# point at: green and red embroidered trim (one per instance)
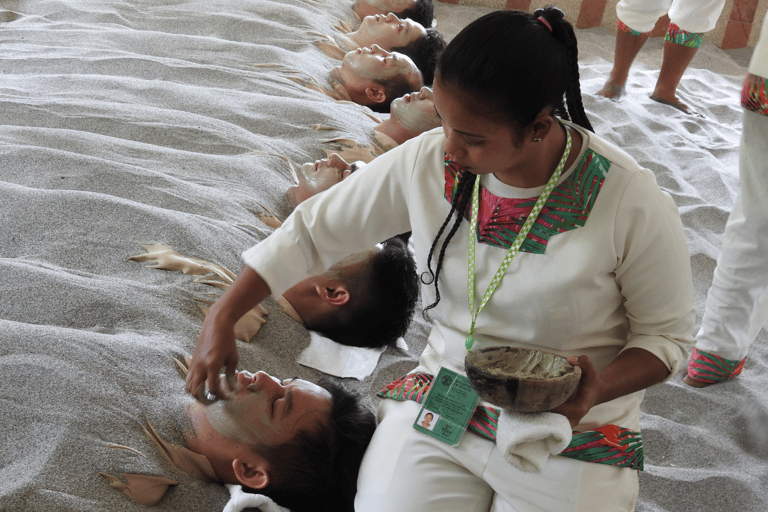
(413, 386)
(753, 95)
(611, 444)
(625, 28)
(568, 207)
(710, 368)
(679, 36)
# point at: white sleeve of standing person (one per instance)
(759, 63)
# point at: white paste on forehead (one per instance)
(413, 116)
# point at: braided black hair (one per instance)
(515, 65)
(511, 62)
(563, 31)
(466, 182)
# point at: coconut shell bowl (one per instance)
(521, 379)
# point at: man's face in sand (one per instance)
(263, 410)
(389, 31)
(368, 7)
(361, 70)
(317, 177)
(318, 296)
(416, 111)
(375, 63)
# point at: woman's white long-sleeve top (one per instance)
(620, 280)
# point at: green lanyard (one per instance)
(513, 250)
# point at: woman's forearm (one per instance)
(216, 347)
(633, 370)
(245, 293)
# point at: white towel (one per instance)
(526, 440)
(341, 360)
(239, 500)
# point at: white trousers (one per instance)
(406, 471)
(737, 303)
(695, 16)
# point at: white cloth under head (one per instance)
(340, 360)
(240, 500)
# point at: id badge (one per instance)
(448, 407)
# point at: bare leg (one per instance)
(676, 59)
(627, 47)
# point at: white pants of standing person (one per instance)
(692, 16)
(406, 471)
(737, 303)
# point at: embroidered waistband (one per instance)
(611, 444)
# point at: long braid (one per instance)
(573, 87)
(563, 32)
(463, 195)
(561, 111)
(431, 278)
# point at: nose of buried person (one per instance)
(244, 378)
(376, 49)
(264, 382)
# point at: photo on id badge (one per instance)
(428, 420)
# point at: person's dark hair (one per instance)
(383, 293)
(317, 470)
(422, 12)
(424, 52)
(513, 64)
(394, 87)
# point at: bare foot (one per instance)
(611, 90)
(695, 383)
(676, 103)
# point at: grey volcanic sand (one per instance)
(132, 122)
